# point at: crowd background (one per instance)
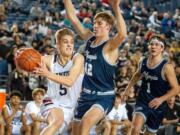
(32, 23)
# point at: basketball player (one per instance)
(64, 72)
(101, 54)
(13, 115)
(159, 83)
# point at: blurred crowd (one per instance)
(32, 23)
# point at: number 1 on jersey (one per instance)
(148, 88)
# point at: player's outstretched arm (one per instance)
(170, 76)
(117, 40)
(71, 13)
(136, 77)
(76, 70)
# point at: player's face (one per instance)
(100, 27)
(38, 97)
(66, 45)
(15, 100)
(117, 101)
(156, 47)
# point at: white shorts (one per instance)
(68, 115)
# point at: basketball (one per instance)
(28, 59)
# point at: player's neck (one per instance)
(100, 39)
(153, 61)
(37, 103)
(63, 59)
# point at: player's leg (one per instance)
(148, 133)
(55, 120)
(75, 127)
(137, 123)
(26, 129)
(8, 129)
(36, 128)
(2, 127)
(107, 128)
(92, 117)
(153, 121)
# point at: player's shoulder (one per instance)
(77, 55)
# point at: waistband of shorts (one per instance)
(93, 92)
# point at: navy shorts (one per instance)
(86, 101)
(152, 117)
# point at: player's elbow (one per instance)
(177, 90)
(123, 36)
(69, 83)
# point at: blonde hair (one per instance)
(106, 17)
(62, 32)
(36, 90)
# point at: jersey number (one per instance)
(88, 69)
(63, 90)
(148, 87)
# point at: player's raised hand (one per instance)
(42, 70)
(114, 3)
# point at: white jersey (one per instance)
(60, 94)
(16, 122)
(31, 108)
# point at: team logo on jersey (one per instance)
(66, 73)
(149, 77)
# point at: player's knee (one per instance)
(36, 125)
(9, 127)
(58, 123)
(107, 125)
(28, 129)
(135, 131)
(85, 122)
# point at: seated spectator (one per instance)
(13, 115)
(171, 119)
(116, 121)
(32, 110)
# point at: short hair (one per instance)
(62, 32)
(36, 90)
(106, 17)
(16, 93)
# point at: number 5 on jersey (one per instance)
(63, 90)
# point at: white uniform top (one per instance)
(30, 108)
(16, 122)
(60, 94)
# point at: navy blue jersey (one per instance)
(153, 83)
(99, 74)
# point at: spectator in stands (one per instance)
(2, 13)
(154, 20)
(116, 121)
(13, 115)
(3, 66)
(32, 110)
(18, 81)
(167, 24)
(36, 11)
(171, 118)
